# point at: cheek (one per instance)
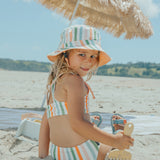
(74, 61)
(94, 62)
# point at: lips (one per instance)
(85, 69)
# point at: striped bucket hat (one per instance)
(80, 37)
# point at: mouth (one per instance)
(85, 69)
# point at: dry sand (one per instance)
(124, 95)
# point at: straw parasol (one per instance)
(114, 16)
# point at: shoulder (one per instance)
(73, 83)
(72, 80)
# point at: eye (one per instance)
(81, 54)
(94, 56)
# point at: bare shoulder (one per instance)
(73, 83)
(70, 80)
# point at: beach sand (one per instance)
(127, 96)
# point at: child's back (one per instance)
(61, 132)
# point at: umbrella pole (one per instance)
(75, 9)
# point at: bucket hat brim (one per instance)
(103, 56)
(80, 37)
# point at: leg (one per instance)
(103, 150)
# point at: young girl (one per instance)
(66, 122)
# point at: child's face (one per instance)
(82, 61)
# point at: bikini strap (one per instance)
(90, 90)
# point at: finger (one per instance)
(131, 139)
(131, 143)
(121, 132)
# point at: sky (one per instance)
(29, 31)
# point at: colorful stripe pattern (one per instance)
(60, 108)
(80, 37)
(86, 151)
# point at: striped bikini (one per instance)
(60, 108)
(85, 151)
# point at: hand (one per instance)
(122, 141)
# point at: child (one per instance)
(66, 121)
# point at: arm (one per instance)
(75, 100)
(44, 137)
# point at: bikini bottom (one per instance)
(85, 151)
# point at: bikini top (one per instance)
(57, 108)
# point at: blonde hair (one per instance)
(60, 67)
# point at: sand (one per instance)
(127, 96)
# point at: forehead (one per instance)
(88, 51)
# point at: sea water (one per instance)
(143, 124)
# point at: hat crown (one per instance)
(80, 33)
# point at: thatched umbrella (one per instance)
(114, 16)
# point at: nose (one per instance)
(88, 61)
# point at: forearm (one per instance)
(90, 131)
(43, 147)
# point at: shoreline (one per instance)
(149, 78)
